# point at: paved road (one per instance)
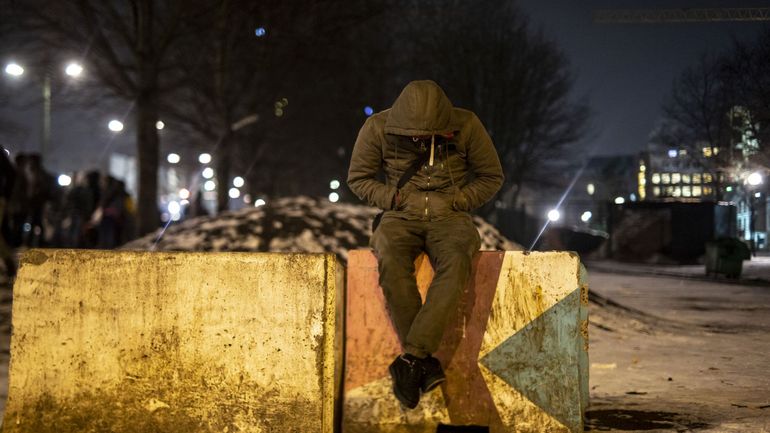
(672, 354)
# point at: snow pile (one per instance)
(292, 224)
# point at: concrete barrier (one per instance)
(174, 342)
(515, 353)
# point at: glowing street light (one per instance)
(260, 31)
(173, 158)
(553, 215)
(73, 69)
(234, 192)
(115, 125)
(209, 185)
(619, 200)
(586, 216)
(259, 202)
(208, 172)
(65, 180)
(334, 197)
(238, 182)
(184, 193)
(174, 207)
(159, 125)
(14, 69)
(204, 158)
(334, 184)
(754, 179)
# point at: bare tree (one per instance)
(719, 111)
(514, 78)
(699, 118)
(260, 70)
(747, 75)
(126, 45)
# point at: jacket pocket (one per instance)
(460, 201)
(440, 204)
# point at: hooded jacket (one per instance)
(462, 170)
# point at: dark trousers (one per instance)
(450, 245)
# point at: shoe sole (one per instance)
(431, 386)
(400, 397)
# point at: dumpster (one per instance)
(726, 256)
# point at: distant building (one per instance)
(703, 173)
(671, 174)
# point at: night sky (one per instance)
(626, 70)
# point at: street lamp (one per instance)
(554, 215)
(73, 69)
(754, 179)
(14, 69)
(115, 125)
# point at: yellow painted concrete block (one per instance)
(175, 342)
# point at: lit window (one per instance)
(686, 191)
(669, 191)
(656, 178)
(707, 190)
(672, 153)
(676, 178)
(696, 178)
(642, 167)
(590, 189)
(716, 151)
(707, 178)
(656, 191)
(682, 152)
(665, 178)
(685, 178)
(696, 191)
(707, 152)
(677, 191)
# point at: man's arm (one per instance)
(364, 164)
(485, 165)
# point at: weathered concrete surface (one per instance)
(515, 353)
(174, 342)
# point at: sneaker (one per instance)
(407, 373)
(433, 375)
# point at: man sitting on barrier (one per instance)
(439, 164)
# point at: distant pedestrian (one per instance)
(78, 207)
(112, 213)
(7, 179)
(18, 204)
(41, 189)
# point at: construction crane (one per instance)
(659, 16)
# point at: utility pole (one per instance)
(45, 141)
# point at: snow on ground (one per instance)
(292, 224)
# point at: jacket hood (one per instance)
(422, 108)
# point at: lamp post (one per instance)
(73, 69)
(752, 182)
